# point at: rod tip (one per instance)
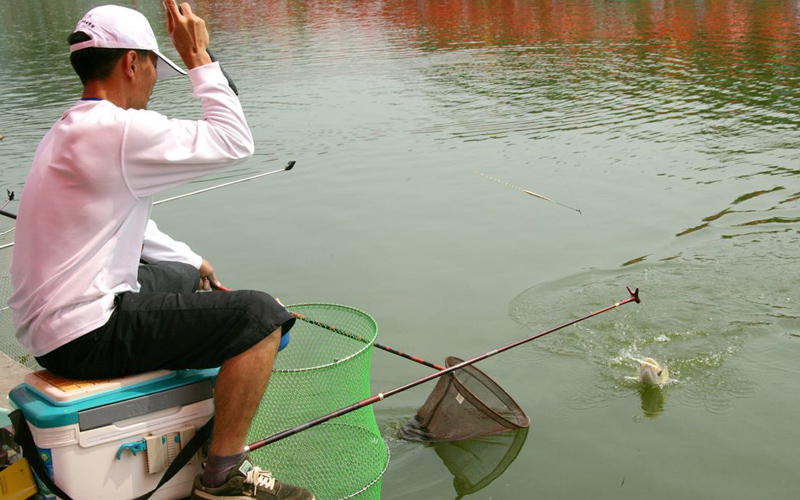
(634, 294)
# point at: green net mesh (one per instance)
(319, 372)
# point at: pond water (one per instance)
(671, 125)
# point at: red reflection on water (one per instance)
(449, 23)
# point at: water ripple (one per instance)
(696, 317)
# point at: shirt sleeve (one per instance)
(159, 153)
(159, 247)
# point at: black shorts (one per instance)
(169, 326)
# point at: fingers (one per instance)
(171, 12)
(172, 7)
(180, 13)
(212, 280)
(186, 9)
(209, 283)
(208, 277)
(188, 32)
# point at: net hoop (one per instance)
(522, 420)
(368, 342)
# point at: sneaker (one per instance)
(247, 481)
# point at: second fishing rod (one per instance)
(351, 335)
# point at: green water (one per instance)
(672, 125)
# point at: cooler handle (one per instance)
(135, 447)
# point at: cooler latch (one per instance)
(163, 448)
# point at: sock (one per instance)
(218, 469)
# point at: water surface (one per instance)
(672, 125)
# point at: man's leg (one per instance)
(242, 379)
(240, 384)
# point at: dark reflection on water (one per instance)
(653, 399)
(475, 463)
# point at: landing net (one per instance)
(464, 404)
(321, 371)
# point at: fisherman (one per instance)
(82, 304)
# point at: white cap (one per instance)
(115, 27)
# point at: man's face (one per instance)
(145, 81)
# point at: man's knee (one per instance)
(259, 305)
(264, 309)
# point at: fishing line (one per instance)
(537, 195)
(634, 297)
(527, 191)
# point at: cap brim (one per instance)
(166, 68)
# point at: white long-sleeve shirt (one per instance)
(85, 213)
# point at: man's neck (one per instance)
(106, 91)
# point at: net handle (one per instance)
(634, 297)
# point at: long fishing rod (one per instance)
(288, 167)
(526, 191)
(10, 215)
(351, 335)
(634, 297)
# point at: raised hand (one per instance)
(188, 33)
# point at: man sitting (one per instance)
(81, 302)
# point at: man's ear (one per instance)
(129, 63)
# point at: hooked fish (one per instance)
(651, 373)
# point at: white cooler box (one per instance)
(113, 439)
